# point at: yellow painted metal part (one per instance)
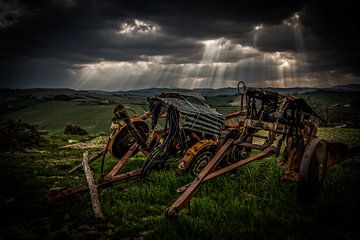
(191, 153)
(117, 128)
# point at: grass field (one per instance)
(251, 204)
(54, 115)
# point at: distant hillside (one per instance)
(348, 87)
(139, 96)
(92, 110)
(63, 94)
(209, 91)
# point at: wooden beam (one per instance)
(123, 160)
(194, 186)
(92, 187)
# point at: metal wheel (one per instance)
(312, 170)
(236, 153)
(123, 140)
(197, 156)
(201, 159)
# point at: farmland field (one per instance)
(53, 115)
(251, 204)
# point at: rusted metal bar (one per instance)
(236, 114)
(268, 126)
(192, 189)
(92, 187)
(103, 156)
(148, 115)
(338, 152)
(252, 146)
(93, 158)
(123, 160)
(229, 168)
(307, 156)
(267, 152)
(67, 193)
(144, 152)
(121, 114)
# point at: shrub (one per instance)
(74, 129)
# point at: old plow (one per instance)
(208, 144)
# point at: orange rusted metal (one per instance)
(192, 152)
(68, 193)
(123, 160)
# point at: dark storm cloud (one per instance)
(10, 12)
(44, 41)
(337, 26)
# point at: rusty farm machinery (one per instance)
(208, 144)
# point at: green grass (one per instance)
(251, 204)
(220, 100)
(53, 115)
(346, 135)
(327, 98)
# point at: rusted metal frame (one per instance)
(92, 187)
(251, 145)
(307, 155)
(280, 139)
(203, 117)
(148, 115)
(110, 179)
(265, 153)
(259, 136)
(123, 160)
(236, 114)
(134, 132)
(191, 153)
(143, 151)
(75, 191)
(338, 152)
(292, 153)
(126, 157)
(207, 124)
(311, 131)
(267, 126)
(192, 189)
(122, 115)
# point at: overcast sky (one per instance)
(121, 45)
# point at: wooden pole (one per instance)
(123, 160)
(92, 187)
(93, 158)
(194, 186)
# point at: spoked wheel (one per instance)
(312, 170)
(236, 153)
(123, 140)
(197, 156)
(201, 159)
